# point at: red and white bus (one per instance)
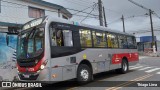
(53, 49)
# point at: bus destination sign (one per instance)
(32, 23)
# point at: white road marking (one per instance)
(136, 67)
(132, 66)
(145, 68)
(152, 70)
(142, 57)
(158, 73)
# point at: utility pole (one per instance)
(100, 12)
(153, 40)
(123, 23)
(104, 14)
(150, 14)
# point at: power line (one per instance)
(88, 14)
(115, 21)
(85, 9)
(150, 14)
(139, 5)
(145, 31)
(81, 11)
(156, 15)
(136, 16)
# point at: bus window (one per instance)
(122, 42)
(131, 42)
(85, 38)
(61, 37)
(30, 46)
(112, 40)
(67, 36)
(99, 39)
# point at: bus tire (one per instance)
(84, 74)
(124, 67)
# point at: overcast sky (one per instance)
(114, 10)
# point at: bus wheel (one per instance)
(124, 67)
(84, 74)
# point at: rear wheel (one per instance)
(84, 73)
(124, 67)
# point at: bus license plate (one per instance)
(26, 76)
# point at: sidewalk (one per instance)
(141, 57)
(150, 54)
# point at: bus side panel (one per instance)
(56, 74)
(44, 75)
(101, 60)
(131, 56)
(69, 72)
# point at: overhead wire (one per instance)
(84, 9)
(89, 13)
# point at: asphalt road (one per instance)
(148, 69)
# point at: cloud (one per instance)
(114, 10)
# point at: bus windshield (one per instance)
(30, 43)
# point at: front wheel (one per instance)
(84, 74)
(124, 67)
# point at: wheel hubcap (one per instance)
(84, 75)
(125, 66)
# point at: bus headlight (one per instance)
(42, 67)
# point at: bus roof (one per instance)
(60, 20)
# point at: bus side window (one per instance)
(67, 38)
(112, 40)
(122, 42)
(125, 44)
(99, 39)
(53, 37)
(131, 42)
(85, 38)
(61, 37)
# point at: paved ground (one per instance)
(148, 69)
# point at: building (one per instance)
(145, 44)
(14, 13)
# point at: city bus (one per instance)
(53, 49)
